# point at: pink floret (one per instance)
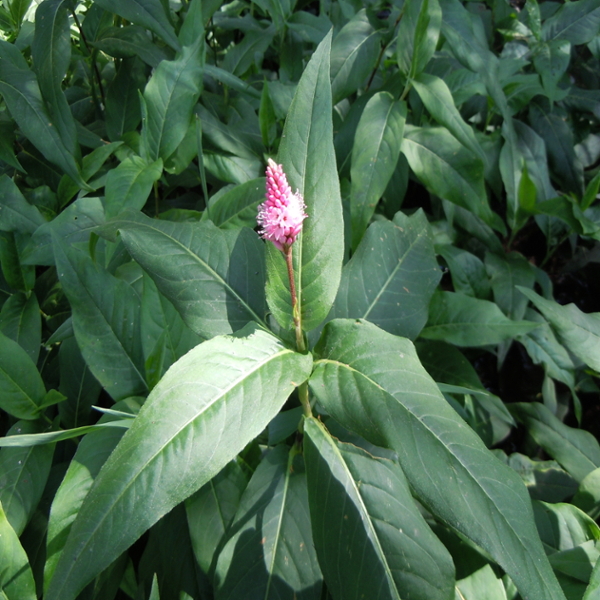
(281, 215)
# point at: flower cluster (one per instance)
(281, 215)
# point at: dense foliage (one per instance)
(424, 426)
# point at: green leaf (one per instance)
(21, 92)
(128, 42)
(587, 497)
(563, 526)
(106, 321)
(543, 348)
(193, 24)
(574, 567)
(591, 191)
(248, 52)
(545, 479)
(21, 321)
(130, 184)
(369, 535)
(151, 14)
(551, 62)
(210, 512)
(170, 96)
(576, 450)
(214, 278)
(353, 56)
(51, 54)
(438, 100)
(17, 275)
(270, 552)
(51, 437)
(204, 411)
(16, 577)
(506, 273)
(72, 225)
(578, 331)
(23, 475)
(447, 168)
(267, 118)
(237, 207)
(91, 454)
(7, 146)
(230, 80)
(553, 128)
(308, 159)
(483, 584)
(373, 384)
(21, 387)
(77, 383)
(576, 22)
(18, 9)
(391, 277)
(418, 35)
(16, 214)
(468, 272)
(168, 554)
(167, 338)
(447, 364)
(466, 321)
(465, 34)
(592, 592)
(91, 164)
(374, 156)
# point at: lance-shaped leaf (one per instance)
(237, 207)
(106, 321)
(373, 383)
(270, 553)
(130, 184)
(170, 97)
(353, 55)
(391, 277)
(578, 22)
(370, 537)
(16, 214)
(21, 321)
(51, 53)
(579, 331)
(92, 452)
(211, 510)
(148, 13)
(308, 158)
(22, 390)
(204, 411)
(21, 92)
(437, 98)
(576, 450)
(447, 168)
(466, 321)
(374, 156)
(23, 475)
(214, 278)
(418, 35)
(16, 577)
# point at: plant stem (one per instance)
(300, 345)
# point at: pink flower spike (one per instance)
(281, 215)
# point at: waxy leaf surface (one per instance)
(369, 534)
(308, 159)
(373, 384)
(206, 408)
(214, 278)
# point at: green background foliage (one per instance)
(164, 434)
